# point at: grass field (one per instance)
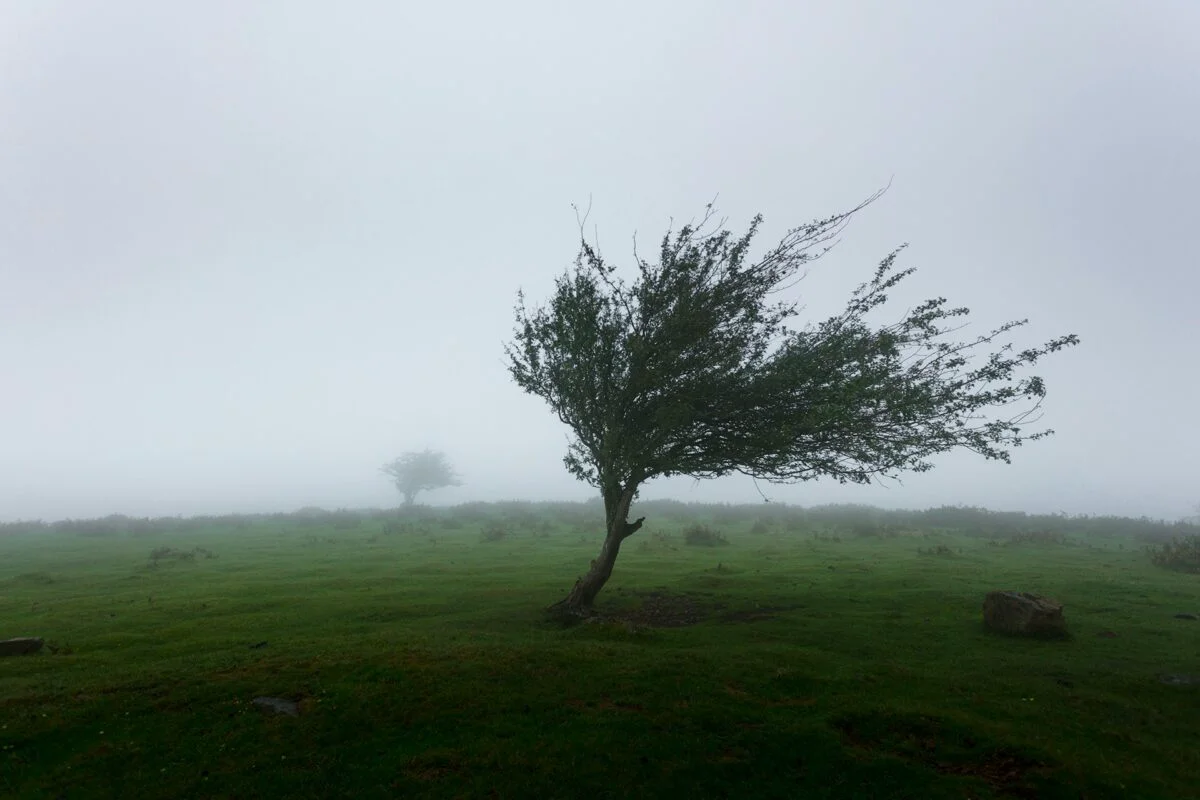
(799, 660)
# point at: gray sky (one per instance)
(251, 251)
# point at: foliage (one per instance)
(1039, 537)
(1182, 555)
(494, 532)
(174, 554)
(703, 536)
(963, 520)
(420, 471)
(689, 371)
(402, 527)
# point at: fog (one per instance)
(250, 252)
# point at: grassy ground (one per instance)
(854, 667)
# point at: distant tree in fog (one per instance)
(417, 472)
(691, 371)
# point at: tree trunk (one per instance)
(616, 506)
(410, 496)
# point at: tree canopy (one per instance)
(691, 369)
(415, 472)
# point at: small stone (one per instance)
(1179, 680)
(278, 705)
(20, 646)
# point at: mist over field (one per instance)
(251, 253)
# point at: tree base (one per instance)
(567, 614)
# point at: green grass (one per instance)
(823, 668)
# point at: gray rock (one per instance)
(1024, 614)
(278, 705)
(21, 646)
(1179, 680)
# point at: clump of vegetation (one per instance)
(703, 536)
(1039, 537)
(173, 554)
(1181, 555)
(826, 537)
(493, 532)
(398, 527)
(938, 550)
(761, 526)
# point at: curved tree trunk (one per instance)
(616, 505)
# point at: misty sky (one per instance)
(251, 251)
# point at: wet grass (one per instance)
(832, 667)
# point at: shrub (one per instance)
(396, 527)
(761, 526)
(1039, 537)
(172, 554)
(703, 536)
(939, 550)
(1181, 555)
(493, 532)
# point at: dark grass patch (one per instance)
(948, 748)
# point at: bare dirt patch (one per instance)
(662, 609)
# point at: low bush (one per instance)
(1039, 537)
(493, 532)
(1181, 555)
(703, 536)
(401, 527)
(172, 554)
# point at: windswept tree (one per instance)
(416, 472)
(691, 370)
